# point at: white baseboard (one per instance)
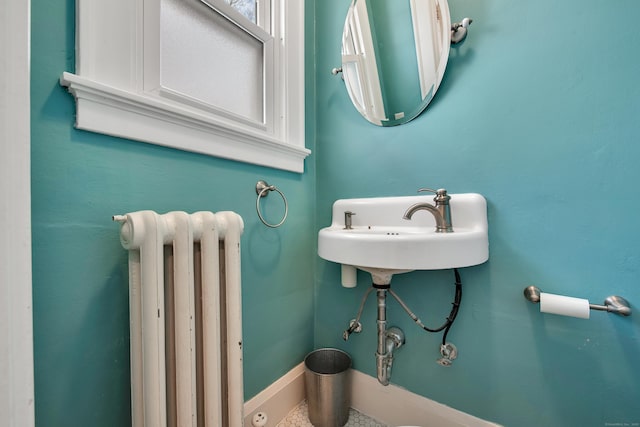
(390, 405)
(278, 399)
(397, 406)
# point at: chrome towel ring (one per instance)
(262, 190)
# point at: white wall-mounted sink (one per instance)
(383, 243)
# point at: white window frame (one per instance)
(115, 65)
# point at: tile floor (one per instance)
(298, 417)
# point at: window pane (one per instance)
(245, 7)
(199, 45)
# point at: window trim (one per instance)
(16, 317)
(110, 97)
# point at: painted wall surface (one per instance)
(539, 112)
(80, 279)
(391, 26)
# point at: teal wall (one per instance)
(392, 28)
(79, 180)
(539, 111)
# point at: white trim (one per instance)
(359, 68)
(278, 399)
(108, 110)
(429, 40)
(16, 324)
(116, 64)
(391, 405)
(397, 406)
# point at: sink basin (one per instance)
(383, 243)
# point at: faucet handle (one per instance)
(441, 194)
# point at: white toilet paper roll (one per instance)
(565, 306)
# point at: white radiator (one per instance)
(186, 319)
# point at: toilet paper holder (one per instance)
(613, 304)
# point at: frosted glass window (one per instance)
(215, 50)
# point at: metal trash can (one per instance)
(328, 387)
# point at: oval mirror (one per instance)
(394, 53)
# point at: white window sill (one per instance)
(108, 110)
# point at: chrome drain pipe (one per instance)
(388, 340)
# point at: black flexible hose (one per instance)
(456, 306)
(452, 315)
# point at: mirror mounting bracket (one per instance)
(459, 30)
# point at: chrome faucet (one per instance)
(441, 211)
